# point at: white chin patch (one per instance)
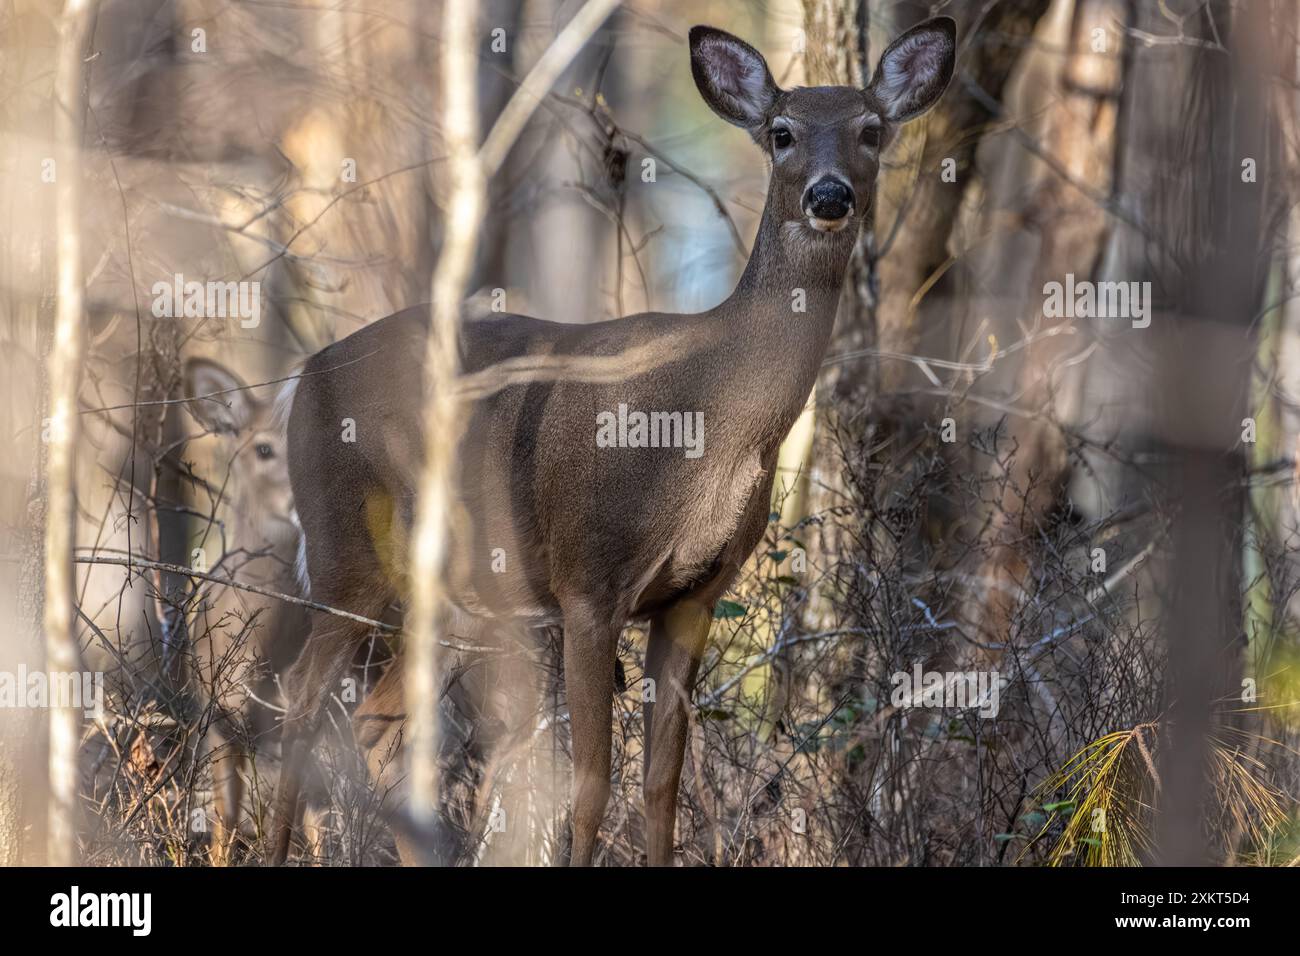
(829, 225)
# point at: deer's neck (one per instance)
(273, 542)
(791, 285)
(784, 304)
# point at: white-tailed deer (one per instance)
(600, 518)
(242, 640)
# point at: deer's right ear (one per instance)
(732, 77)
(229, 411)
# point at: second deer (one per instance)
(242, 640)
(598, 526)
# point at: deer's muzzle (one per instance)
(827, 202)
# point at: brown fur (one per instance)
(595, 536)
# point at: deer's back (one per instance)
(552, 508)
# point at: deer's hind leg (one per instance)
(346, 573)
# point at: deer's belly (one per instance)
(644, 537)
(711, 540)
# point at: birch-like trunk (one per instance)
(442, 426)
(469, 169)
(61, 653)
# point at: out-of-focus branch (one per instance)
(527, 369)
(65, 374)
(146, 565)
(441, 428)
(469, 170)
(528, 96)
(1219, 223)
(264, 592)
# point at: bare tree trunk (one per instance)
(495, 86)
(836, 41)
(1079, 143)
(61, 652)
(918, 210)
(470, 167)
(362, 164)
(832, 29)
(427, 620)
(24, 747)
(27, 314)
(1214, 222)
(564, 227)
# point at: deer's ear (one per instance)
(226, 413)
(732, 77)
(915, 69)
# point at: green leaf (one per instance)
(777, 556)
(728, 609)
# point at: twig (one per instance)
(539, 81)
(266, 592)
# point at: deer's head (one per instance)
(824, 142)
(253, 445)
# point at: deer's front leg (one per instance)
(589, 651)
(673, 652)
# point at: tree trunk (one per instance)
(917, 209)
(61, 652)
(1071, 225)
(1213, 258)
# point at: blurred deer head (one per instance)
(253, 447)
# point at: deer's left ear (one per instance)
(915, 69)
(732, 77)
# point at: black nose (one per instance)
(828, 199)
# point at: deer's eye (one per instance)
(871, 137)
(264, 451)
(782, 139)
